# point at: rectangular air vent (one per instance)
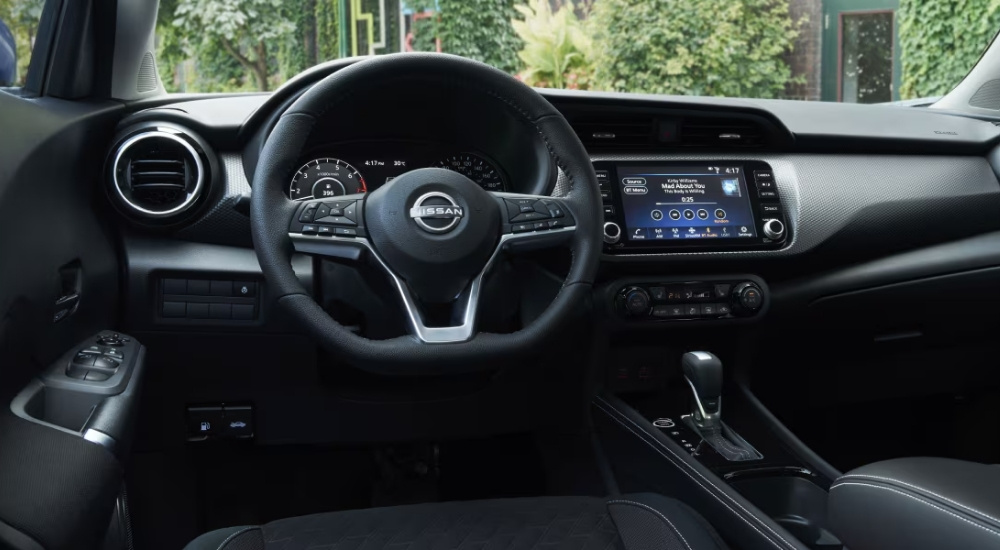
(650, 132)
(166, 172)
(615, 131)
(720, 133)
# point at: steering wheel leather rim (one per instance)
(270, 211)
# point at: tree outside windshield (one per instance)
(862, 51)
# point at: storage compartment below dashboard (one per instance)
(795, 503)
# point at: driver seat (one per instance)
(630, 522)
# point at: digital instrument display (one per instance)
(685, 201)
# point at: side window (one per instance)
(18, 30)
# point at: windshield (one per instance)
(859, 51)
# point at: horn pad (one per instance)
(435, 229)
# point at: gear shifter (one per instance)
(703, 372)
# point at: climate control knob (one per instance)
(748, 296)
(636, 302)
(774, 229)
(612, 233)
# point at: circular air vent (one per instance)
(158, 173)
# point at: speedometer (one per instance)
(326, 177)
(477, 169)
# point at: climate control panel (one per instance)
(704, 298)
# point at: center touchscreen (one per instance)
(685, 202)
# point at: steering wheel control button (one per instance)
(324, 231)
(345, 231)
(351, 211)
(309, 229)
(322, 211)
(308, 214)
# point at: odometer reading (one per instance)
(477, 169)
(326, 177)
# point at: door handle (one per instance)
(70, 277)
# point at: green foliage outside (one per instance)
(22, 18)
(941, 40)
(481, 30)
(557, 50)
(710, 48)
(704, 47)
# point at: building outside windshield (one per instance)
(857, 51)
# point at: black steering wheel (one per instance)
(435, 232)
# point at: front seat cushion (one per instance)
(633, 522)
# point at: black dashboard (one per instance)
(783, 190)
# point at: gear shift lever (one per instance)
(703, 371)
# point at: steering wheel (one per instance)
(435, 232)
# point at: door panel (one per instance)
(55, 240)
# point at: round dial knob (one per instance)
(749, 296)
(774, 229)
(636, 301)
(612, 233)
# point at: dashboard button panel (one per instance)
(707, 299)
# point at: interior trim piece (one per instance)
(101, 438)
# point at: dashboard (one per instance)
(712, 192)
(336, 169)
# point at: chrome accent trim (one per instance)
(443, 335)
(416, 212)
(706, 420)
(704, 356)
(171, 134)
(612, 239)
(101, 438)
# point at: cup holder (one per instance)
(795, 503)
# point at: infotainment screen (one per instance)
(685, 201)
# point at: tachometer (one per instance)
(477, 169)
(326, 177)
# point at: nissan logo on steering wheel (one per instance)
(436, 212)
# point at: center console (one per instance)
(690, 206)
